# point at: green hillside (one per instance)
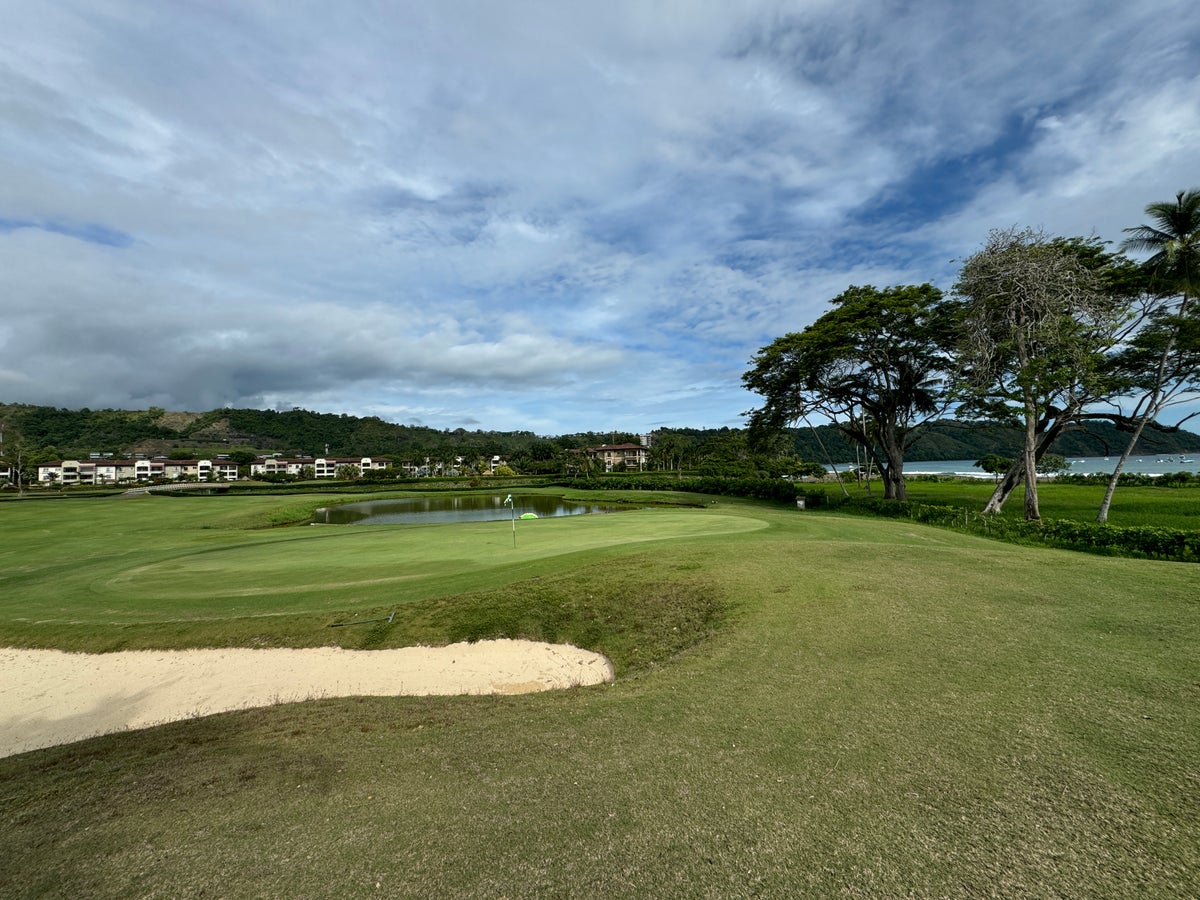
(971, 440)
(301, 431)
(297, 431)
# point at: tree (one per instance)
(21, 457)
(669, 450)
(578, 462)
(994, 464)
(726, 454)
(1173, 241)
(1036, 324)
(874, 366)
(1053, 464)
(1163, 360)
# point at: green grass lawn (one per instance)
(1162, 507)
(807, 704)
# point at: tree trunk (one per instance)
(1154, 407)
(1016, 473)
(891, 469)
(1005, 486)
(1029, 460)
(1102, 515)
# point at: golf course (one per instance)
(805, 704)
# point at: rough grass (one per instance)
(1161, 507)
(875, 709)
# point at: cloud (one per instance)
(535, 215)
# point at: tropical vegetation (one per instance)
(1042, 333)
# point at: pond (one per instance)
(469, 508)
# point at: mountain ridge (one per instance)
(158, 431)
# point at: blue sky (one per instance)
(549, 216)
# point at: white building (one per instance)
(322, 466)
(119, 471)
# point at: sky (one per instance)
(556, 216)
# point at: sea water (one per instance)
(1080, 465)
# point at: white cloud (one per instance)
(554, 212)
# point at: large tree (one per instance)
(1037, 324)
(875, 366)
(1162, 361)
(21, 457)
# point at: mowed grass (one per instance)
(1161, 507)
(859, 708)
(194, 572)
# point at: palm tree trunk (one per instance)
(1153, 408)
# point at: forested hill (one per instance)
(971, 440)
(298, 431)
(79, 432)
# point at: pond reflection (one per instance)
(469, 508)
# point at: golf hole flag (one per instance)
(509, 503)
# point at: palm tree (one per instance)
(1173, 242)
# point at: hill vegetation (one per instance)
(300, 431)
(297, 431)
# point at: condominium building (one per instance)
(117, 471)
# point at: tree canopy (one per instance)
(1038, 321)
(1162, 360)
(875, 366)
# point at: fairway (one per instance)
(805, 705)
(161, 568)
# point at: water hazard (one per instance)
(469, 508)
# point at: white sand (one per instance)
(48, 697)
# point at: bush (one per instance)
(1141, 541)
(758, 488)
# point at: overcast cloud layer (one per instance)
(550, 216)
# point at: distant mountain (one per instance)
(951, 439)
(299, 431)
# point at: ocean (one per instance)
(1087, 465)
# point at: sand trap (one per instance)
(48, 697)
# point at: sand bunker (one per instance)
(48, 697)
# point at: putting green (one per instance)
(317, 568)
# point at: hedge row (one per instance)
(1141, 541)
(1136, 479)
(777, 489)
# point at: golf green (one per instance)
(157, 573)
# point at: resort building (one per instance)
(632, 457)
(117, 471)
(321, 467)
